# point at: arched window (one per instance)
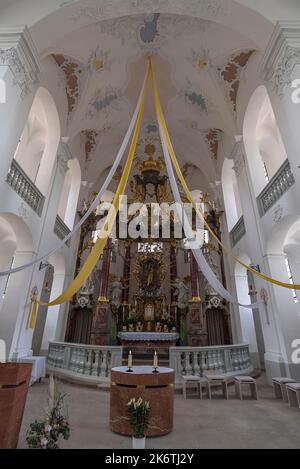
(263, 143)
(231, 194)
(38, 144)
(70, 193)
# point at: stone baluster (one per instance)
(196, 364)
(95, 368)
(89, 362)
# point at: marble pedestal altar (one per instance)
(157, 388)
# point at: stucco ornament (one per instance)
(282, 76)
(21, 76)
(277, 215)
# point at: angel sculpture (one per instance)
(116, 293)
(182, 293)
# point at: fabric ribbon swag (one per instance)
(171, 162)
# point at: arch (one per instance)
(70, 193)
(231, 194)
(16, 248)
(39, 141)
(255, 22)
(263, 143)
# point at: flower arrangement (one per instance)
(139, 411)
(45, 434)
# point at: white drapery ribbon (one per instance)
(201, 261)
(97, 199)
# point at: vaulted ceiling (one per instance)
(199, 65)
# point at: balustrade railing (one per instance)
(237, 232)
(18, 180)
(278, 185)
(61, 229)
(89, 364)
(230, 360)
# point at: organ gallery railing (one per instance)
(230, 360)
(237, 232)
(280, 183)
(18, 180)
(89, 364)
(61, 229)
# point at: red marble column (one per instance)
(194, 278)
(104, 277)
(173, 270)
(126, 273)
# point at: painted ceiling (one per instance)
(199, 66)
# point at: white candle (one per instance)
(155, 360)
(130, 359)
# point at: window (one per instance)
(266, 173)
(7, 278)
(290, 275)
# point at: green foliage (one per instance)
(139, 411)
(45, 434)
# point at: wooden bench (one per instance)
(280, 387)
(240, 381)
(196, 381)
(217, 379)
(293, 394)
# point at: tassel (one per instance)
(33, 314)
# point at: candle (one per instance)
(155, 360)
(130, 359)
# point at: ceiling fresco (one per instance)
(199, 67)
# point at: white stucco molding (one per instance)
(18, 52)
(282, 55)
(238, 155)
(64, 155)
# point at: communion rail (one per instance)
(86, 364)
(91, 364)
(230, 360)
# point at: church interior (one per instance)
(149, 224)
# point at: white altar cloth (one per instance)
(38, 368)
(148, 336)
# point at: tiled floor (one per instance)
(266, 423)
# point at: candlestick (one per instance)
(129, 361)
(155, 363)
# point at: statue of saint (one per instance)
(116, 293)
(182, 293)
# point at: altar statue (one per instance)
(150, 276)
(182, 293)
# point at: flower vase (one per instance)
(138, 443)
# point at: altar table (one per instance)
(156, 388)
(143, 344)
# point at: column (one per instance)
(100, 334)
(104, 276)
(280, 68)
(126, 273)
(173, 270)
(19, 76)
(253, 245)
(194, 278)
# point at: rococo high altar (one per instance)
(147, 291)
